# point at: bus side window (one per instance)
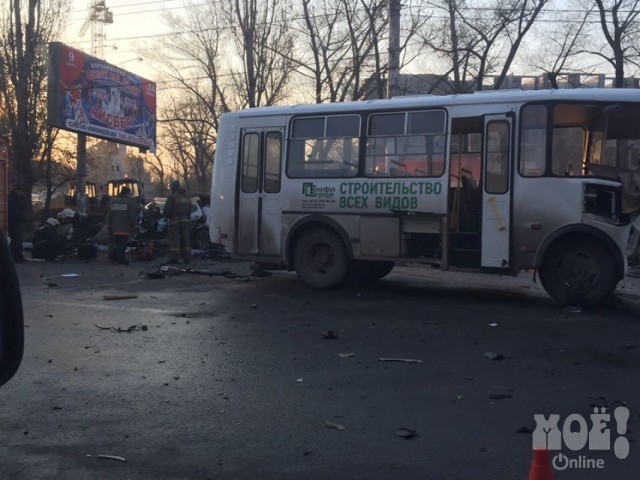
(405, 144)
(325, 147)
(250, 157)
(533, 141)
(497, 178)
(568, 151)
(295, 158)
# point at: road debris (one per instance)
(406, 433)
(70, 275)
(215, 250)
(494, 356)
(500, 396)
(401, 360)
(169, 270)
(132, 328)
(119, 297)
(112, 457)
(300, 380)
(330, 335)
(346, 355)
(334, 426)
(573, 309)
(261, 273)
(493, 324)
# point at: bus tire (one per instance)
(369, 271)
(578, 272)
(320, 258)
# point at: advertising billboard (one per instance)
(88, 95)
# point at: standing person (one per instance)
(122, 220)
(178, 210)
(17, 215)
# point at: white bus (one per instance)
(498, 182)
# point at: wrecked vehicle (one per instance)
(498, 182)
(154, 225)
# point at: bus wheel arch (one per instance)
(308, 223)
(319, 256)
(578, 268)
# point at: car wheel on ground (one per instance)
(200, 238)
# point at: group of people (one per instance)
(60, 235)
(121, 222)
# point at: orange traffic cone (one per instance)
(541, 465)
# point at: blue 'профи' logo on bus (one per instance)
(309, 189)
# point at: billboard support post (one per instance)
(81, 173)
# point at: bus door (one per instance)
(259, 223)
(496, 198)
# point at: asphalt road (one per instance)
(203, 377)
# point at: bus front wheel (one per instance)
(320, 259)
(578, 272)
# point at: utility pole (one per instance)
(393, 76)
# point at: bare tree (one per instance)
(200, 90)
(562, 45)
(473, 40)
(520, 18)
(190, 140)
(26, 27)
(260, 33)
(210, 78)
(156, 165)
(195, 62)
(621, 30)
(346, 56)
(56, 167)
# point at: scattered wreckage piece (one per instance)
(401, 360)
(132, 328)
(119, 297)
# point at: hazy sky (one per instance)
(137, 22)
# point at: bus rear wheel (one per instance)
(368, 271)
(320, 258)
(578, 272)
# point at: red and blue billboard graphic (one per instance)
(88, 95)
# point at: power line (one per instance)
(472, 9)
(137, 12)
(301, 18)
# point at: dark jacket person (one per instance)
(122, 220)
(178, 210)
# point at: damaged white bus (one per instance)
(497, 182)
